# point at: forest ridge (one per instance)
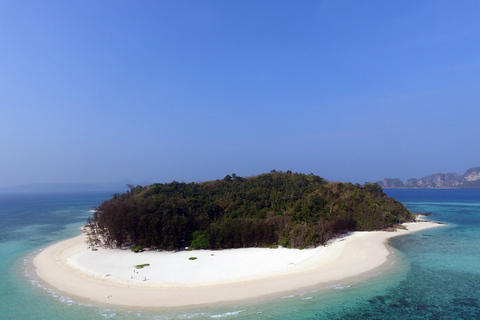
(278, 208)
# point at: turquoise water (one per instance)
(433, 274)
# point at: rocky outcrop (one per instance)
(391, 183)
(472, 174)
(471, 179)
(438, 180)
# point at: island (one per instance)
(469, 180)
(180, 244)
(278, 208)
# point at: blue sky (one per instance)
(102, 91)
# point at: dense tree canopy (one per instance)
(279, 208)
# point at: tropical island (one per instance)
(227, 240)
(292, 210)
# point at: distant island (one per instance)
(470, 179)
(279, 208)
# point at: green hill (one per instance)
(279, 208)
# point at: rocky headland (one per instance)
(470, 179)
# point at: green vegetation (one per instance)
(289, 209)
(141, 266)
(136, 248)
(192, 258)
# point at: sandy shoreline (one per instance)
(172, 279)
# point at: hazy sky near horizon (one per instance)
(102, 91)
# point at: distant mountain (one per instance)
(391, 183)
(470, 179)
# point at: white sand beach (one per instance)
(109, 276)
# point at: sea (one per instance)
(433, 274)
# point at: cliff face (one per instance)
(392, 183)
(471, 179)
(472, 174)
(438, 180)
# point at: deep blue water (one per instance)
(433, 274)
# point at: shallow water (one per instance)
(434, 275)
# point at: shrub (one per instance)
(200, 241)
(136, 248)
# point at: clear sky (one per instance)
(102, 91)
